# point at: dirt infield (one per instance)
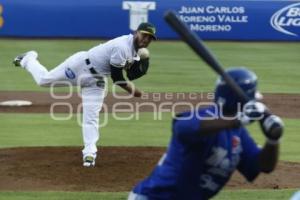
(284, 105)
(117, 169)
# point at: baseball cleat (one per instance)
(17, 61)
(89, 161)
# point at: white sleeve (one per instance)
(118, 57)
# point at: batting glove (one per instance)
(252, 111)
(272, 127)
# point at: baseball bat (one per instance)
(199, 48)
(194, 41)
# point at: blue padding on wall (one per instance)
(214, 20)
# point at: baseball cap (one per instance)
(147, 28)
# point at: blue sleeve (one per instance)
(248, 164)
(186, 127)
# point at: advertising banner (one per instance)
(212, 20)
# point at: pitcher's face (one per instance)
(142, 40)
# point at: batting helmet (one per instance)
(227, 98)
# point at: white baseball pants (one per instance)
(75, 71)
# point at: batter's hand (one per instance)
(272, 127)
(252, 111)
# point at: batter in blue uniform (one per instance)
(209, 144)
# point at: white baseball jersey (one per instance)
(119, 52)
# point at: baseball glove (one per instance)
(138, 69)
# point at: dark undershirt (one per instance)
(117, 75)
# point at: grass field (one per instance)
(174, 68)
(31, 132)
(276, 64)
(225, 195)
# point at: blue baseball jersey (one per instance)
(197, 167)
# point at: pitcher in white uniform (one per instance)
(88, 69)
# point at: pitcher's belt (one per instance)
(92, 69)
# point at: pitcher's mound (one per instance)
(117, 169)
